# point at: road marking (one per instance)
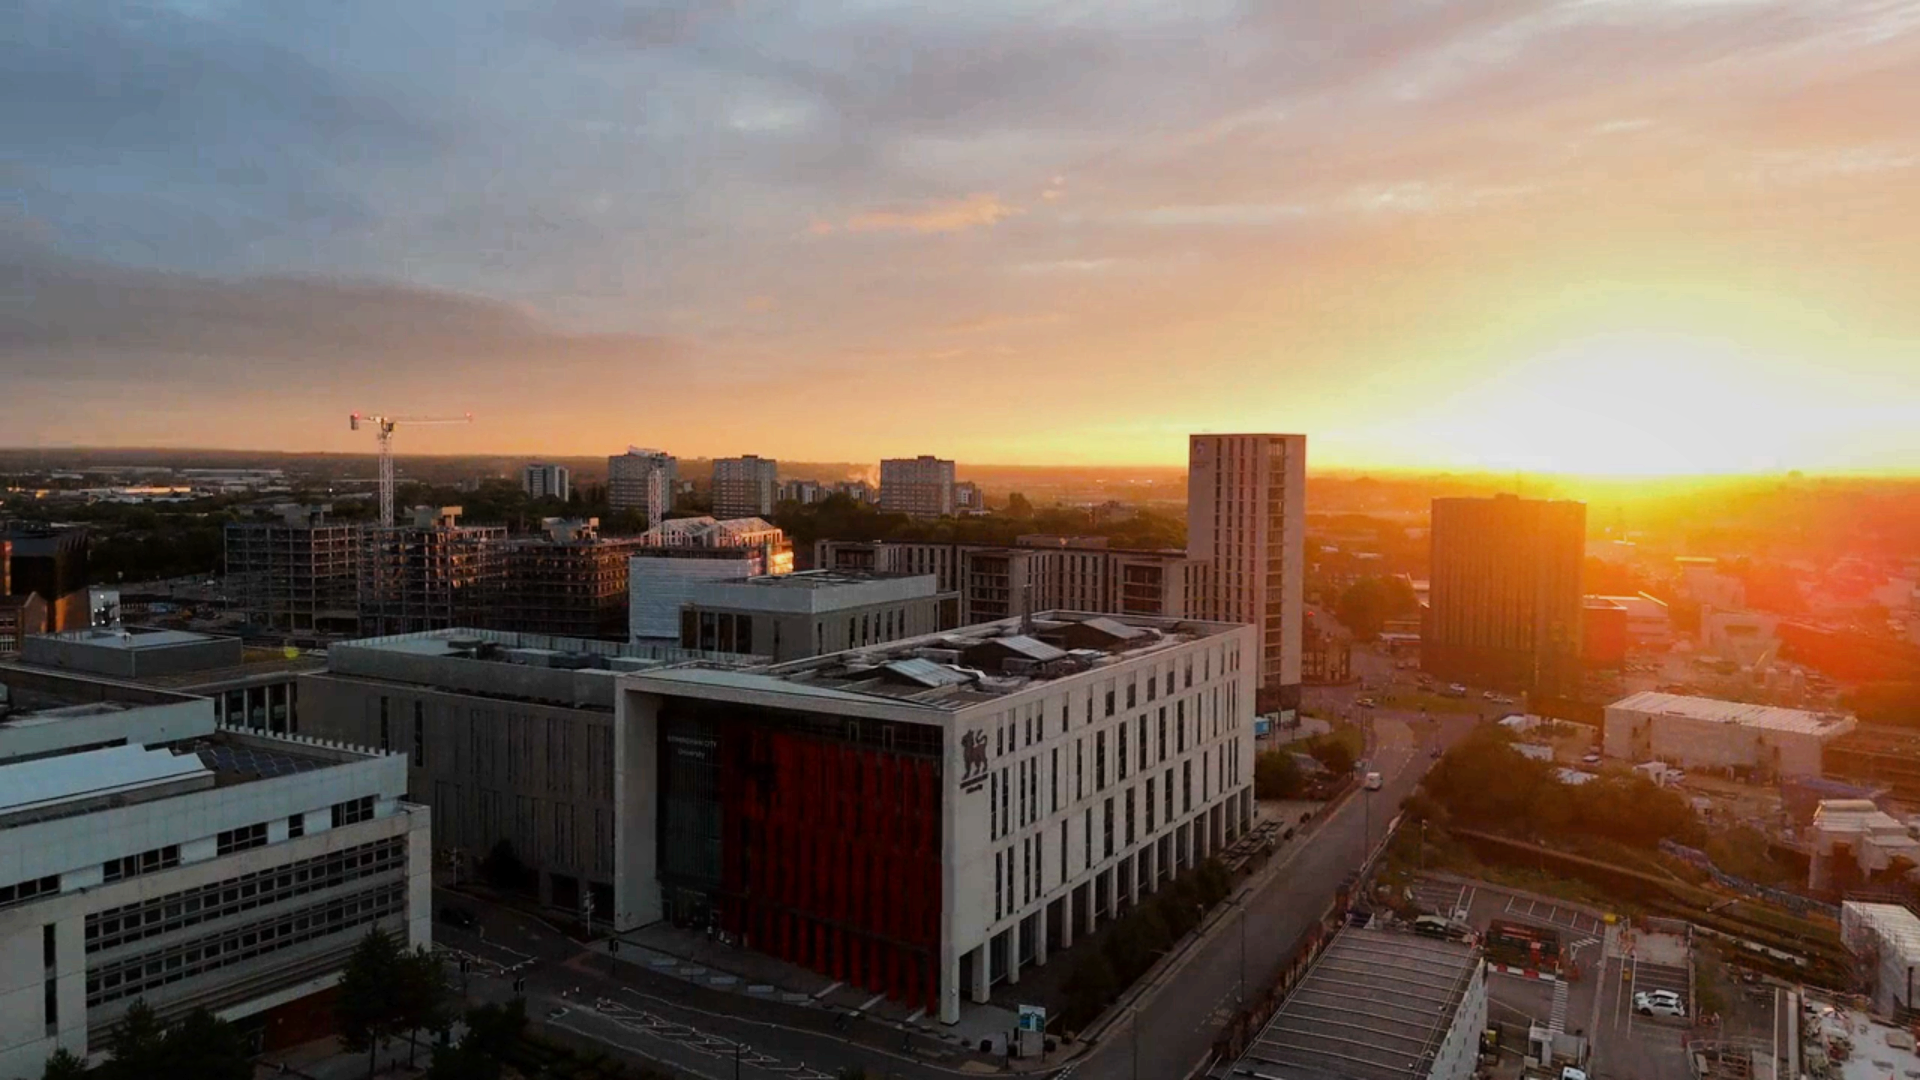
(872, 1001)
(828, 989)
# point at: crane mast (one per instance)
(383, 434)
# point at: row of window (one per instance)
(1014, 793)
(241, 839)
(147, 862)
(1030, 879)
(24, 891)
(135, 977)
(118, 926)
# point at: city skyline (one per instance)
(1441, 238)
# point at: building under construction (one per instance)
(570, 583)
(431, 573)
(298, 576)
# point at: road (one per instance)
(1180, 1018)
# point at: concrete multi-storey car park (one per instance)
(146, 853)
(926, 817)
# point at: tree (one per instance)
(369, 1005)
(135, 1041)
(1366, 605)
(63, 1065)
(1089, 987)
(1276, 775)
(1018, 506)
(426, 1001)
(1333, 754)
(202, 1047)
(503, 869)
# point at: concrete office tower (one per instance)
(431, 574)
(925, 819)
(1247, 518)
(298, 576)
(794, 616)
(643, 480)
(922, 486)
(542, 481)
(151, 855)
(1506, 608)
(506, 736)
(51, 562)
(745, 486)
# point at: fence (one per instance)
(1794, 902)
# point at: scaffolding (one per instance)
(570, 583)
(433, 574)
(296, 576)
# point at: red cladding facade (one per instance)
(830, 858)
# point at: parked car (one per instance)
(1590, 759)
(1366, 703)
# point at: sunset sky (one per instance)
(1588, 235)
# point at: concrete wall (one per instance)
(540, 776)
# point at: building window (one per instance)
(52, 1005)
(998, 858)
(1053, 781)
(993, 806)
(1100, 761)
(241, 839)
(419, 735)
(28, 890)
(1086, 834)
(296, 826)
(1129, 817)
(1109, 701)
(353, 811)
(1142, 740)
(1149, 806)
(1163, 733)
(1186, 786)
(1106, 832)
(1132, 693)
(1121, 731)
(147, 862)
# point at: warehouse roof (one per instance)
(1376, 1006)
(1712, 710)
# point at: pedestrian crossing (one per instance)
(1557, 1019)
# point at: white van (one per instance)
(1373, 781)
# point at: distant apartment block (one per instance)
(671, 559)
(20, 617)
(431, 573)
(298, 576)
(858, 490)
(1246, 520)
(151, 855)
(570, 582)
(541, 481)
(921, 487)
(804, 492)
(50, 562)
(644, 480)
(968, 498)
(794, 616)
(1506, 605)
(1053, 573)
(745, 487)
(506, 736)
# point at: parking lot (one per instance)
(1633, 1047)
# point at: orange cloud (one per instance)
(945, 216)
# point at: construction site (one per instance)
(299, 576)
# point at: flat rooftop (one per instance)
(812, 591)
(84, 781)
(954, 669)
(131, 638)
(1713, 710)
(1375, 1006)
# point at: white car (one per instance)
(1373, 781)
(1659, 1004)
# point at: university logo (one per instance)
(973, 749)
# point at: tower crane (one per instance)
(383, 431)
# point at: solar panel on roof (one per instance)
(1031, 648)
(925, 672)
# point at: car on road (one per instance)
(1659, 1003)
(1373, 781)
(1590, 759)
(1367, 703)
(455, 915)
(1455, 690)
